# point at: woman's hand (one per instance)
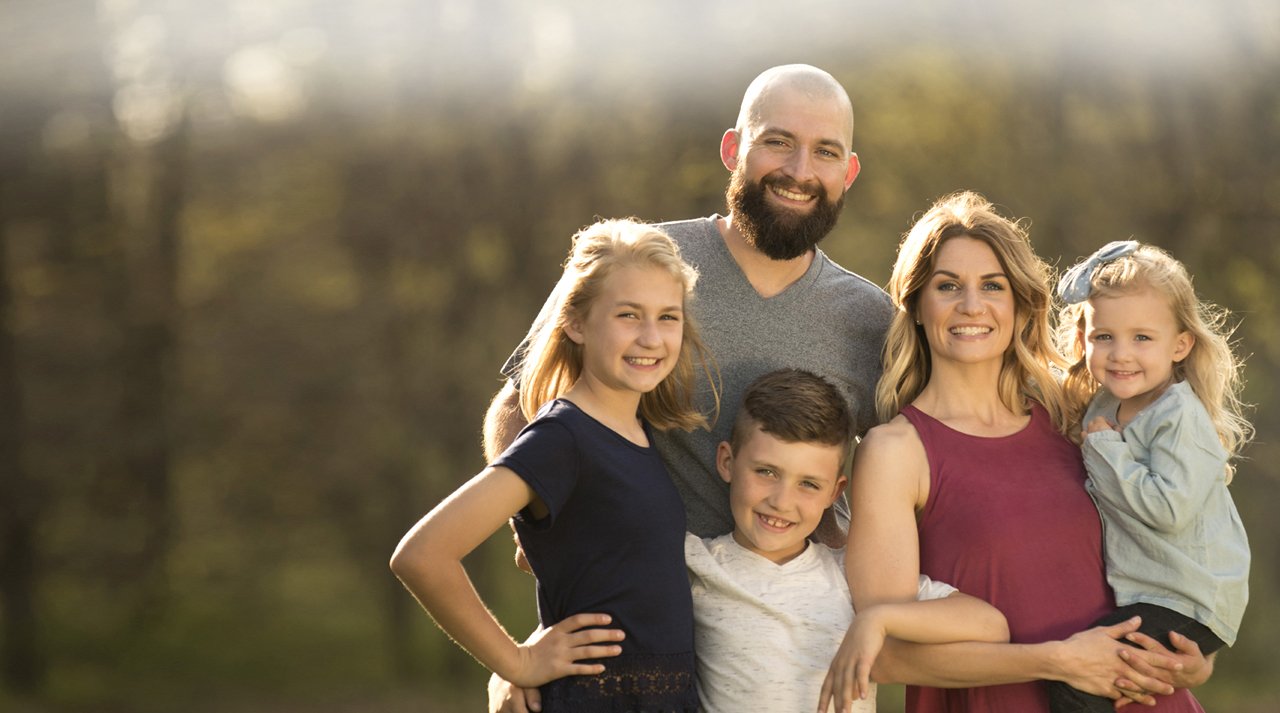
(1096, 661)
(554, 653)
(850, 673)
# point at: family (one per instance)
(1036, 517)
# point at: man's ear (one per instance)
(724, 461)
(851, 173)
(730, 145)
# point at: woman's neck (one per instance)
(967, 398)
(616, 410)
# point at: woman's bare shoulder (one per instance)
(896, 433)
(893, 442)
(891, 463)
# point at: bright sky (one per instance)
(270, 59)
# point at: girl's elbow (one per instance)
(409, 558)
(400, 563)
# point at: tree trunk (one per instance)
(22, 660)
(148, 363)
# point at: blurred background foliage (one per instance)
(260, 261)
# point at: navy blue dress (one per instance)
(613, 543)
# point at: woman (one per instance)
(971, 482)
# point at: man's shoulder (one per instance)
(850, 279)
(855, 293)
(699, 242)
(690, 229)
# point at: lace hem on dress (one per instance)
(640, 683)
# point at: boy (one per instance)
(771, 607)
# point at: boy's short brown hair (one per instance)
(796, 406)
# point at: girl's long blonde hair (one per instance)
(553, 362)
(1026, 371)
(1211, 368)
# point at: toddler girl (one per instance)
(1157, 381)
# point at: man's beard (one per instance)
(777, 232)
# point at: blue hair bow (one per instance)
(1076, 284)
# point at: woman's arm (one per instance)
(889, 483)
(429, 562)
(882, 563)
(1092, 661)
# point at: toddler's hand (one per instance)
(1099, 423)
(555, 652)
(850, 672)
(1191, 667)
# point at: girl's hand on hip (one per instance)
(554, 653)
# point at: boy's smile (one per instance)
(778, 491)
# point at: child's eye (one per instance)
(764, 472)
(1142, 338)
(1101, 337)
(670, 317)
(811, 485)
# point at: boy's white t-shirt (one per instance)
(765, 633)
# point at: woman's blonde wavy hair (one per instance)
(1212, 367)
(1027, 369)
(553, 362)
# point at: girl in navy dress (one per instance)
(600, 522)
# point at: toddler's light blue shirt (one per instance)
(1171, 532)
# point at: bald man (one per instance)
(767, 297)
